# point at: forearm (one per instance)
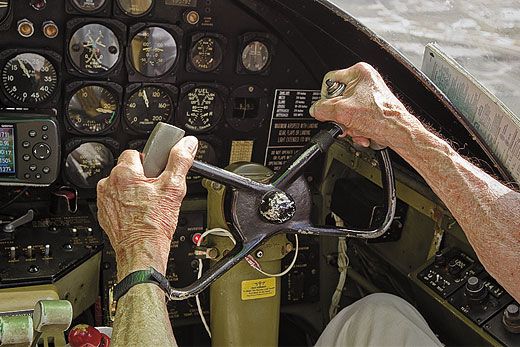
(142, 318)
(487, 211)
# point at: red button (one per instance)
(196, 237)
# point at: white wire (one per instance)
(259, 269)
(343, 262)
(218, 232)
(226, 233)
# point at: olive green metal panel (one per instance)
(245, 304)
(236, 321)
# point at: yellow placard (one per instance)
(258, 289)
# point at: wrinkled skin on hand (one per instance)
(368, 110)
(140, 214)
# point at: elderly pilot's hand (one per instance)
(139, 214)
(367, 109)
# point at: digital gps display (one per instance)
(7, 162)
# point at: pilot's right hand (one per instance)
(367, 110)
(139, 214)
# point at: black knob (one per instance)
(511, 318)
(475, 289)
(453, 267)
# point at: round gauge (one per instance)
(205, 153)
(135, 7)
(201, 109)
(29, 79)
(255, 56)
(88, 5)
(88, 164)
(94, 49)
(206, 54)
(153, 51)
(147, 106)
(92, 109)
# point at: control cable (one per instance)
(343, 262)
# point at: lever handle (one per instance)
(26, 218)
(157, 150)
(336, 89)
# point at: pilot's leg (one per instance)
(378, 320)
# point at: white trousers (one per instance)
(378, 320)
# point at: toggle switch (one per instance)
(12, 253)
(29, 252)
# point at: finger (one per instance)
(181, 156)
(131, 159)
(325, 109)
(362, 141)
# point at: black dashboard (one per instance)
(83, 80)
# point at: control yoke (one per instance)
(258, 210)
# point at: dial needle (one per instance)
(103, 110)
(24, 69)
(145, 98)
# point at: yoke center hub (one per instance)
(277, 207)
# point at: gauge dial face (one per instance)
(94, 49)
(92, 109)
(153, 52)
(29, 79)
(206, 54)
(255, 56)
(88, 5)
(201, 109)
(147, 106)
(135, 7)
(88, 164)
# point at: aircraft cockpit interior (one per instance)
(84, 80)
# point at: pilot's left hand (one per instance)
(140, 214)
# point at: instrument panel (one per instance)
(112, 69)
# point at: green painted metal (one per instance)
(237, 322)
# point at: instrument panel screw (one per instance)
(192, 17)
(259, 253)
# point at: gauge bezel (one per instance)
(73, 87)
(8, 18)
(245, 39)
(104, 10)
(172, 91)
(119, 12)
(119, 30)
(51, 56)
(170, 76)
(222, 41)
(248, 124)
(222, 93)
(75, 142)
